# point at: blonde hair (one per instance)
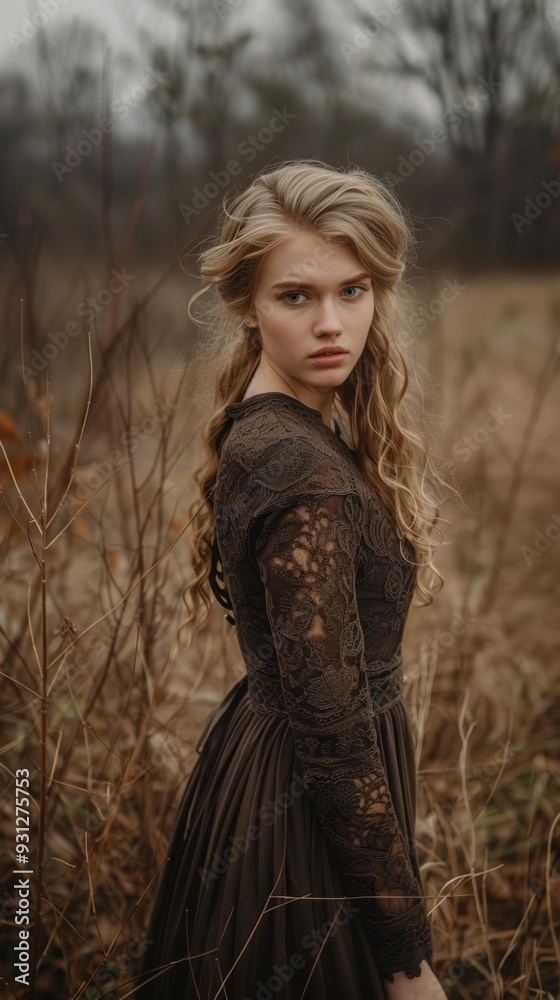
(379, 402)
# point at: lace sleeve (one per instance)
(307, 563)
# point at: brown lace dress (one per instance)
(292, 866)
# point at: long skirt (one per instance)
(250, 904)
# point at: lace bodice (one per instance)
(320, 592)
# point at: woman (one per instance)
(292, 866)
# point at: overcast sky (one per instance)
(114, 17)
(103, 12)
(124, 22)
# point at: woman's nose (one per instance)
(327, 318)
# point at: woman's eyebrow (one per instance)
(309, 284)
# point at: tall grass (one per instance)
(103, 705)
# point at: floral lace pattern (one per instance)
(320, 591)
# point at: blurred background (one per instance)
(121, 128)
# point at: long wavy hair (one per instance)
(380, 404)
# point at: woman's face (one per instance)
(311, 294)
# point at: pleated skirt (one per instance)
(250, 904)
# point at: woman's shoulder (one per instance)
(272, 454)
(266, 421)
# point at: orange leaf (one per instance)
(82, 528)
(21, 466)
(8, 429)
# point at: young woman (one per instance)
(292, 868)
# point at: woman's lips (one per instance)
(329, 359)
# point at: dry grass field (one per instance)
(103, 701)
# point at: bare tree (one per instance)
(446, 54)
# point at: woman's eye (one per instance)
(294, 298)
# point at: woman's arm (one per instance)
(307, 558)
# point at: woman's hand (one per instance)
(424, 987)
